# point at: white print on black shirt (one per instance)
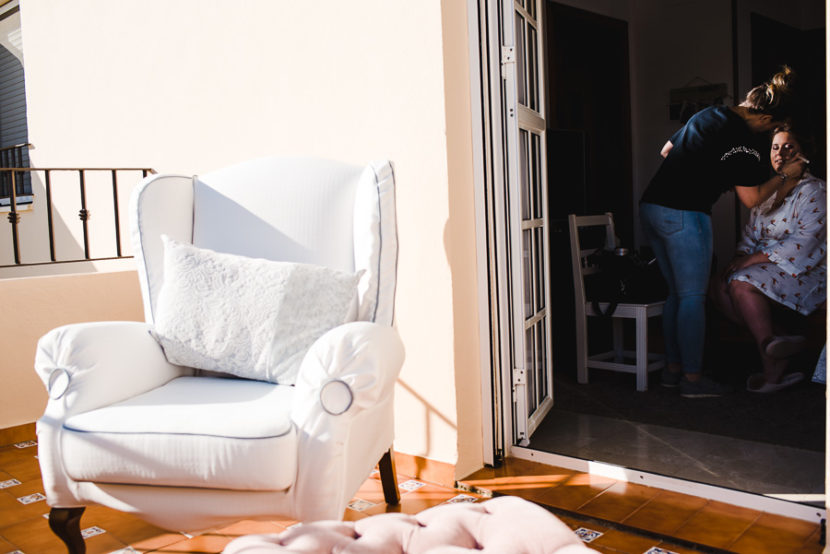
(744, 150)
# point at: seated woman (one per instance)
(780, 262)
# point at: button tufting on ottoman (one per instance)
(503, 525)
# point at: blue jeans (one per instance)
(682, 243)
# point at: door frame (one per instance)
(498, 428)
(514, 306)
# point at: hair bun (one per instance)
(775, 97)
(781, 80)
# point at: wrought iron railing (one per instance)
(14, 156)
(16, 175)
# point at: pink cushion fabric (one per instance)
(500, 526)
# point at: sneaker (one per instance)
(702, 388)
(670, 379)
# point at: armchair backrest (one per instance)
(284, 209)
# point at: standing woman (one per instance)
(719, 148)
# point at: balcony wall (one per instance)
(34, 305)
(194, 85)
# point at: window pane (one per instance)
(521, 79)
(539, 268)
(542, 362)
(530, 372)
(533, 177)
(538, 182)
(525, 186)
(532, 69)
(527, 271)
(538, 364)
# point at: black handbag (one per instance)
(623, 277)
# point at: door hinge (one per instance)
(519, 377)
(508, 54)
(498, 457)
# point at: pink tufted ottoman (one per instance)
(504, 525)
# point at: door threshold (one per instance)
(769, 504)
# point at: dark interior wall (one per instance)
(676, 45)
(774, 44)
(588, 141)
(588, 116)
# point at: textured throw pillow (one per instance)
(249, 317)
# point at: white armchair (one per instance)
(188, 449)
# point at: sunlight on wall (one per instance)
(205, 86)
(33, 306)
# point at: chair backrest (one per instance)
(580, 256)
(301, 210)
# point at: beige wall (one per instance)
(194, 85)
(459, 236)
(31, 307)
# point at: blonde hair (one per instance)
(775, 97)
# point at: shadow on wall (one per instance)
(430, 411)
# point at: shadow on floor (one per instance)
(793, 417)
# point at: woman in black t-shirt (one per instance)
(718, 149)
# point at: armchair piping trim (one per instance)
(143, 267)
(57, 387)
(380, 236)
(327, 386)
(68, 428)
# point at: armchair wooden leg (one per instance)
(66, 524)
(388, 478)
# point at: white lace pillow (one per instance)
(249, 317)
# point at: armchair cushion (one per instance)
(203, 432)
(249, 317)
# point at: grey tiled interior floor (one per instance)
(716, 460)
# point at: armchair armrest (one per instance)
(364, 358)
(360, 362)
(88, 365)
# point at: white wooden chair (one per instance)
(615, 359)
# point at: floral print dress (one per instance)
(793, 236)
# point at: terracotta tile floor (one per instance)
(634, 518)
(621, 517)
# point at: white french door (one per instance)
(520, 216)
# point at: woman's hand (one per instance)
(733, 266)
(742, 261)
(791, 170)
(794, 168)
